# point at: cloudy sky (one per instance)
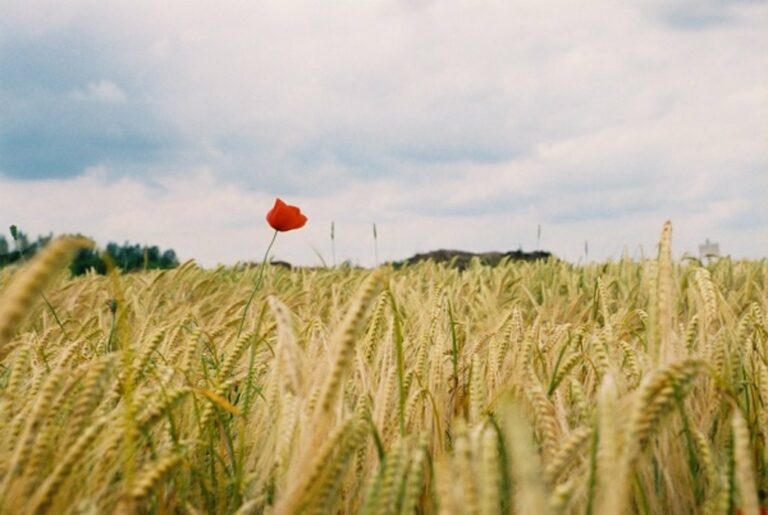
(450, 124)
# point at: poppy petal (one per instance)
(284, 217)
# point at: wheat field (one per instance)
(530, 388)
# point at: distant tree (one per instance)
(22, 242)
(169, 259)
(7, 256)
(85, 260)
(127, 257)
(43, 240)
(23, 249)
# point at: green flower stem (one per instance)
(256, 286)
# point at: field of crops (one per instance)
(531, 388)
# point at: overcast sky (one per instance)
(450, 124)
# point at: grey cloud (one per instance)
(699, 14)
(53, 125)
(51, 136)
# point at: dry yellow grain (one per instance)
(529, 495)
(289, 419)
(654, 399)
(307, 476)
(547, 425)
(146, 352)
(608, 451)
(561, 496)
(567, 366)
(414, 487)
(394, 467)
(745, 475)
(464, 462)
(37, 418)
(234, 354)
(290, 360)
(567, 453)
(490, 472)
(148, 478)
(476, 390)
(708, 294)
(326, 494)
(691, 335)
(665, 298)
(18, 371)
(551, 324)
(579, 400)
(376, 327)
(88, 397)
(704, 456)
(44, 495)
(20, 294)
(344, 338)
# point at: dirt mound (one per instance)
(461, 259)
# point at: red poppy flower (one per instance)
(283, 217)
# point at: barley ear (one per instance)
(490, 471)
(530, 495)
(149, 478)
(744, 470)
(346, 335)
(608, 450)
(567, 453)
(662, 301)
(42, 498)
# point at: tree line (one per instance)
(127, 257)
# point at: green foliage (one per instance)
(127, 257)
(22, 248)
